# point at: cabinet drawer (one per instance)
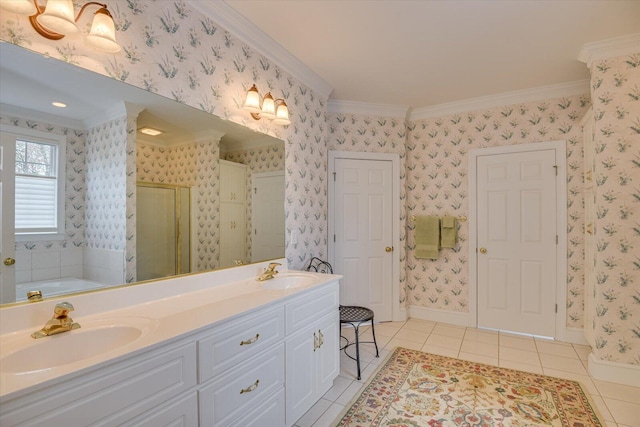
(109, 396)
(314, 305)
(230, 345)
(268, 414)
(230, 396)
(177, 412)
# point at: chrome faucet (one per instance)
(60, 322)
(270, 272)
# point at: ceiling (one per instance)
(426, 53)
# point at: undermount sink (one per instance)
(27, 355)
(288, 281)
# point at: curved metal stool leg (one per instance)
(373, 332)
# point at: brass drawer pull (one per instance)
(315, 342)
(320, 338)
(250, 341)
(250, 388)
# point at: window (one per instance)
(39, 187)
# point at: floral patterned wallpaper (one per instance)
(173, 50)
(354, 132)
(74, 185)
(615, 86)
(437, 184)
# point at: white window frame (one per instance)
(60, 142)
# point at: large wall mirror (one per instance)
(92, 199)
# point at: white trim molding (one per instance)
(621, 373)
(233, 21)
(579, 87)
(27, 114)
(354, 107)
(440, 316)
(609, 48)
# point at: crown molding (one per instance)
(355, 107)
(249, 33)
(617, 46)
(579, 87)
(47, 118)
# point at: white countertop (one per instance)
(169, 317)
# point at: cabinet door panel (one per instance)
(328, 355)
(300, 374)
(181, 412)
(270, 413)
(311, 307)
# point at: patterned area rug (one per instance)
(416, 389)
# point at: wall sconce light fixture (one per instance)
(56, 20)
(272, 109)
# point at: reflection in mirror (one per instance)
(118, 205)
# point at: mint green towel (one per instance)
(427, 237)
(449, 232)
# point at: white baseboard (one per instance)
(621, 373)
(436, 315)
(573, 336)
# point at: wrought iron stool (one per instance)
(355, 316)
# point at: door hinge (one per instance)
(556, 308)
(557, 239)
(334, 177)
(556, 168)
(255, 190)
(334, 238)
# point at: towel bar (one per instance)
(461, 218)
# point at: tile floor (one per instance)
(619, 405)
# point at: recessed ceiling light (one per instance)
(150, 131)
(58, 104)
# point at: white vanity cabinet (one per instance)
(313, 359)
(265, 368)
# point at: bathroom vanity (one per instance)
(224, 350)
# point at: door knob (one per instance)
(389, 249)
(483, 250)
(9, 261)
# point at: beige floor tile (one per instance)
(419, 325)
(618, 391)
(521, 343)
(480, 348)
(383, 355)
(519, 355)
(559, 363)
(471, 357)
(409, 335)
(584, 380)
(329, 417)
(340, 384)
(623, 412)
(386, 329)
(556, 349)
(601, 407)
(440, 351)
(403, 343)
(367, 372)
(349, 393)
(582, 351)
(312, 415)
(487, 337)
(449, 330)
(436, 340)
(509, 364)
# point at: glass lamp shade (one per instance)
(282, 114)
(252, 102)
(268, 107)
(103, 32)
(59, 17)
(21, 7)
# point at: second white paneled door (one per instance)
(517, 241)
(363, 233)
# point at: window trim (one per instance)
(60, 141)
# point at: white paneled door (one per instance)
(267, 216)
(517, 241)
(363, 233)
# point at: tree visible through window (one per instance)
(36, 197)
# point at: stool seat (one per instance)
(355, 315)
